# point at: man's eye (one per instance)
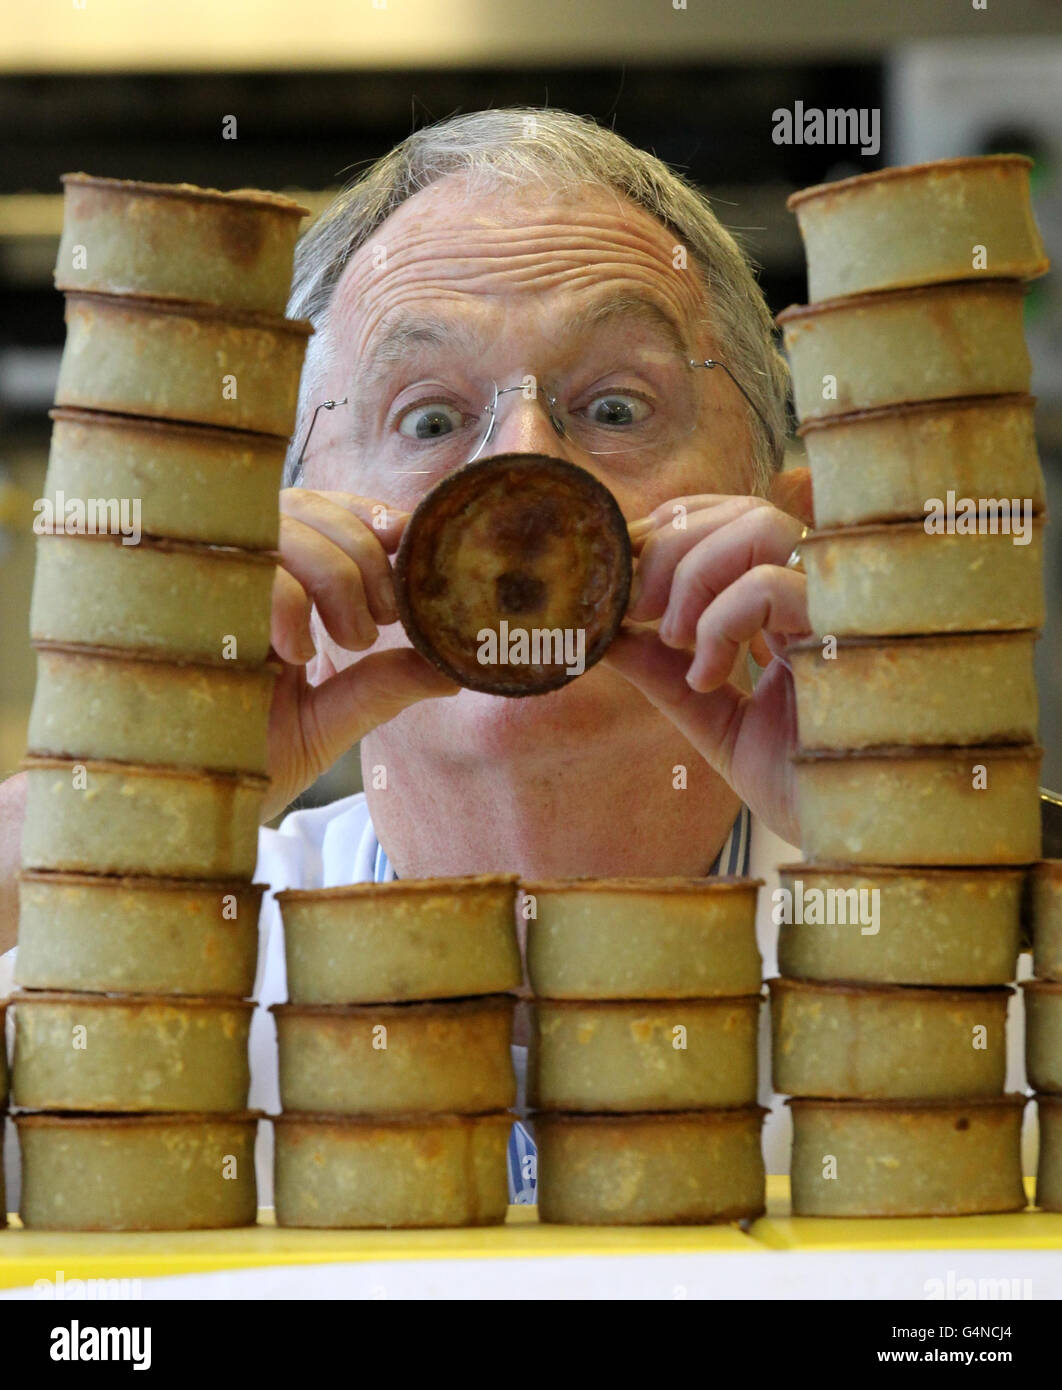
(430, 421)
(616, 409)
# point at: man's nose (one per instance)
(524, 426)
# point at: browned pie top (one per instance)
(910, 529)
(533, 541)
(1011, 1101)
(717, 1002)
(119, 305)
(875, 871)
(917, 642)
(876, 299)
(38, 763)
(199, 550)
(1004, 401)
(663, 886)
(906, 171)
(210, 437)
(400, 888)
(909, 753)
(130, 1001)
(113, 658)
(407, 1121)
(642, 1119)
(131, 882)
(943, 994)
(63, 1119)
(253, 197)
(426, 1008)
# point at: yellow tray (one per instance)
(26, 1256)
(1026, 1230)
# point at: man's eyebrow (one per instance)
(629, 308)
(402, 338)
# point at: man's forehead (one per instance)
(433, 268)
(455, 203)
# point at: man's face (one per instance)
(455, 291)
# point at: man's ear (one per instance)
(791, 492)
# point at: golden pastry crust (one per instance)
(926, 294)
(905, 171)
(685, 1168)
(105, 302)
(32, 762)
(149, 1172)
(253, 197)
(907, 1157)
(398, 889)
(656, 886)
(405, 1171)
(532, 541)
(903, 753)
(914, 408)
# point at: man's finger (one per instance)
(665, 548)
(386, 522)
(345, 529)
(759, 536)
(332, 580)
(352, 702)
(767, 599)
(290, 621)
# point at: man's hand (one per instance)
(334, 576)
(717, 584)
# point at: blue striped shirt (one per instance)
(732, 859)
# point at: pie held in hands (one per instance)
(514, 573)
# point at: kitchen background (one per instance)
(319, 87)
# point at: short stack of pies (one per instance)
(396, 1072)
(1043, 1026)
(642, 1065)
(147, 743)
(917, 775)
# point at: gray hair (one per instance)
(517, 145)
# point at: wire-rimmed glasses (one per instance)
(443, 433)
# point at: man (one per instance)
(493, 249)
(516, 247)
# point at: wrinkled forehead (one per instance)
(516, 257)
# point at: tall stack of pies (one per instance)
(917, 775)
(396, 1072)
(643, 1057)
(147, 740)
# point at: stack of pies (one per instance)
(396, 1074)
(917, 771)
(643, 1058)
(147, 741)
(1043, 1026)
